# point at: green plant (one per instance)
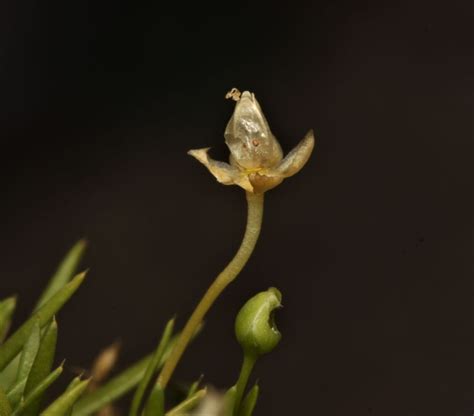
(27, 355)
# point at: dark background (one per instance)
(370, 243)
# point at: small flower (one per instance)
(256, 159)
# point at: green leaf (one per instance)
(8, 375)
(187, 404)
(15, 342)
(64, 402)
(64, 272)
(248, 405)
(5, 408)
(29, 352)
(118, 385)
(15, 393)
(34, 395)
(41, 366)
(74, 382)
(229, 401)
(7, 306)
(152, 367)
(193, 388)
(155, 405)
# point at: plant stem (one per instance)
(247, 366)
(252, 231)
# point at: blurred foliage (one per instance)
(27, 357)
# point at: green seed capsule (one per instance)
(255, 328)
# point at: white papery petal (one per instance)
(296, 159)
(223, 172)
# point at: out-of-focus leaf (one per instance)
(118, 385)
(229, 400)
(193, 388)
(29, 352)
(31, 399)
(8, 375)
(112, 390)
(5, 408)
(15, 393)
(7, 306)
(41, 367)
(64, 272)
(15, 342)
(248, 405)
(74, 382)
(104, 363)
(155, 405)
(64, 402)
(187, 404)
(152, 367)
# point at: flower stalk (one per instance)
(247, 366)
(252, 231)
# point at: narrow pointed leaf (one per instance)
(193, 388)
(7, 306)
(41, 366)
(65, 402)
(248, 405)
(30, 350)
(152, 367)
(31, 399)
(155, 405)
(187, 404)
(74, 382)
(64, 272)
(15, 342)
(5, 408)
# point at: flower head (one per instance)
(256, 159)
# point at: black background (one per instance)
(370, 243)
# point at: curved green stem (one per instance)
(252, 231)
(247, 366)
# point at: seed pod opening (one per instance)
(255, 326)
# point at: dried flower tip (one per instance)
(105, 362)
(234, 94)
